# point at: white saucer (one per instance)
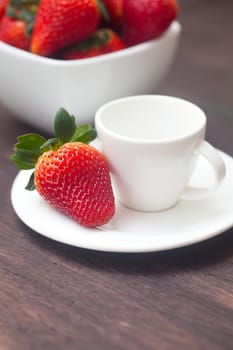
(130, 231)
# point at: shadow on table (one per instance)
(195, 257)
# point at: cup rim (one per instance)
(101, 126)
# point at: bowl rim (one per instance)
(174, 28)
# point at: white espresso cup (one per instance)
(152, 144)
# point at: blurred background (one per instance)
(204, 63)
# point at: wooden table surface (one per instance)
(53, 296)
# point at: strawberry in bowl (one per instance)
(78, 72)
(61, 23)
(147, 19)
(99, 43)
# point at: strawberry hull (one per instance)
(102, 42)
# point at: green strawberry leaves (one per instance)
(31, 146)
(24, 10)
(31, 142)
(31, 185)
(66, 130)
(98, 39)
(64, 125)
(49, 144)
(19, 3)
(84, 133)
(27, 151)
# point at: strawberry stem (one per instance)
(103, 10)
(50, 144)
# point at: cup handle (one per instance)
(218, 166)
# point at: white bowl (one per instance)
(33, 88)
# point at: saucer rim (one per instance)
(99, 245)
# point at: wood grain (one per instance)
(56, 297)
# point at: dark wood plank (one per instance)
(54, 296)
(202, 70)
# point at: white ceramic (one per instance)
(152, 143)
(33, 87)
(189, 222)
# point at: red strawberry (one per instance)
(147, 19)
(63, 22)
(101, 42)
(75, 179)
(17, 23)
(3, 6)
(70, 175)
(115, 12)
(13, 32)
